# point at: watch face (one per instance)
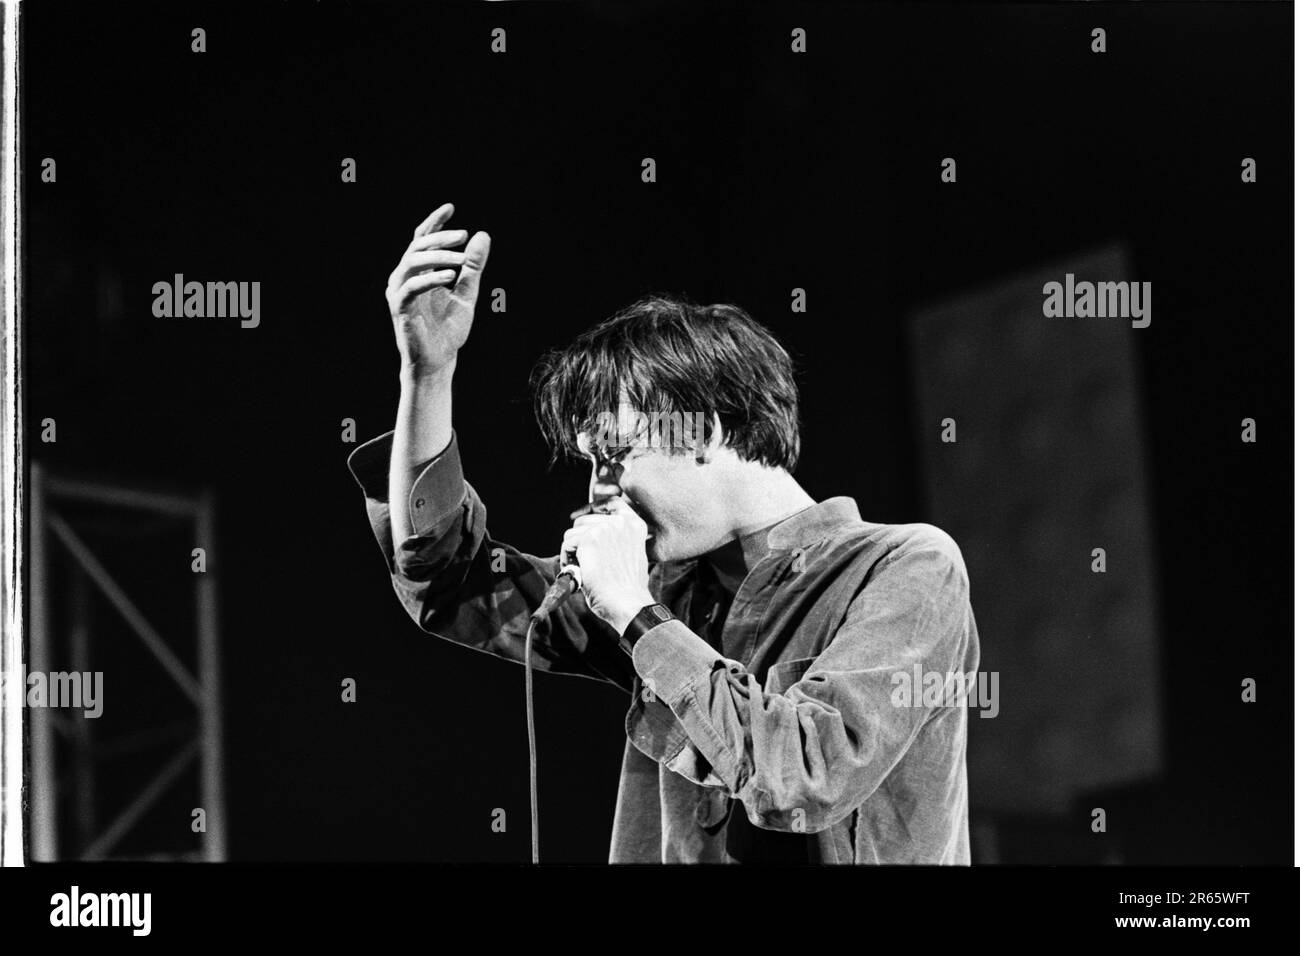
(661, 612)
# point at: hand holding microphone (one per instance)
(609, 543)
(603, 490)
(604, 554)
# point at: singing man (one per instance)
(761, 635)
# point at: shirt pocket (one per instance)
(783, 675)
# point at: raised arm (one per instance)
(432, 312)
(452, 577)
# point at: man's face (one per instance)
(674, 493)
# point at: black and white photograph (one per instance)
(568, 442)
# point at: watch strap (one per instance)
(652, 615)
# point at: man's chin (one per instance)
(659, 551)
(655, 550)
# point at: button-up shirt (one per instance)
(800, 720)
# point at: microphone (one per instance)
(605, 487)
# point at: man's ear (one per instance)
(706, 449)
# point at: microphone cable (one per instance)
(532, 731)
(566, 583)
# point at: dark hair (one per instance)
(665, 353)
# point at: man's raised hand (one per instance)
(431, 317)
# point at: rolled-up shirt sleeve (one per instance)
(459, 583)
(436, 497)
(802, 757)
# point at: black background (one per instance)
(774, 171)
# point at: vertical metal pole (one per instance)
(12, 686)
(211, 784)
(44, 795)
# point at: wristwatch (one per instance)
(652, 615)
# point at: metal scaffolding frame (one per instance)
(201, 739)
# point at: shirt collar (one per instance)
(801, 529)
(813, 523)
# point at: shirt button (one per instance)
(419, 502)
(647, 695)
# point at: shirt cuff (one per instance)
(669, 657)
(671, 726)
(437, 492)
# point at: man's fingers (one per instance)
(476, 257)
(405, 271)
(593, 508)
(435, 219)
(438, 240)
(587, 518)
(606, 506)
(416, 259)
(416, 285)
(569, 546)
(414, 263)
